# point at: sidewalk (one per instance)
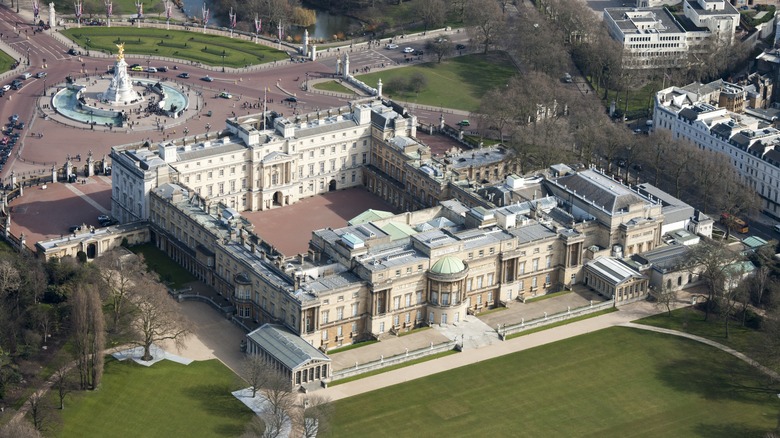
(625, 314)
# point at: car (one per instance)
(441, 40)
(183, 75)
(391, 46)
(108, 223)
(419, 53)
(225, 95)
(151, 70)
(25, 76)
(408, 50)
(637, 167)
(137, 68)
(6, 87)
(133, 65)
(567, 78)
(290, 99)
(19, 125)
(40, 74)
(73, 52)
(103, 218)
(74, 228)
(207, 78)
(777, 227)
(460, 47)
(162, 69)
(14, 118)
(464, 123)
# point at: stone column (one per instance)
(90, 165)
(22, 242)
(52, 15)
(313, 52)
(13, 179)
(305, 42)
(54, 173)
(338, 67)
(68, 169)
(7, 230)
(379, 87)
(345, 64)
(441, 121)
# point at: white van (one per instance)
(25, 76)
(777, 228)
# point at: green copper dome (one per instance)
(448, 265)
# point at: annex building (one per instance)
(656, 37)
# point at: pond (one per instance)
(326, 26)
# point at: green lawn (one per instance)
(190, 46)
(170, 272)
(458, 82)
(617, 382)
(97, 10)
(690, 320)
(394, 367)
(164, 400)
(640, 103)
(5, 61)
(332, 86)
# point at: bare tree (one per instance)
(255, 428)
(314, 416)
(43, 315)
(256, 372)
(88, 335)
(664, 296)
(62, 384)
(156, 317)
(19, 428)
(37, 410)
(278, 392)
(432, 13)
(485, 20)
(440, 48)
(714, 262)
(120, 273)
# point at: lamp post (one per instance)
(223, 61)
(306, 85)
(148, 66)
(186, 131)
(28, 56)
(44, 86)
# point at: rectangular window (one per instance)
(522, 268)
(547, 279)
(419, 297)
(381, 327)
(548, 261)
(469, 284)
(408, 300)
(396, 303)
(354, 327)
(396, 319)
(324, 335)
(340, 331)
(535, 264)
(490, 297)
(354, 309)
(490, 280)
(408, 318)
(325, 316)
(479, 282)
(339, 314)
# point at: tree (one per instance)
(88, 335)
(432, 13)
(156, 318)
(120, 273)
(43, 315)
(418, 82)
(314, 416)
(440, 48)
(37, 410)
(278, 392)
(62, 384)
(485, 20)
(19, 429)
(256, 372)
(717, 266)
(664, 296)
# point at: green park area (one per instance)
(332, 86)
(458, 82)
(6, 61)
(616, 382)
(171, 273)
(165, 400)
(186, 45)
(97, 9)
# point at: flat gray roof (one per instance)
(286, 347)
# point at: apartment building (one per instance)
(749, 142)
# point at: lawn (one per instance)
(640, 103)
(458, 82)
(97, 10)
(690, 320)
(6, 61)
(332, 86)
(170, 272)
(180, 44)
(165, 400)
(617, 382)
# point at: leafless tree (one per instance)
(37, 410)
(88, 335)
(62, 384)
(255, 428)
(665, 296)
(485, 20)
(314, 416)
(278, 392)
(120, 273)
(156, 318)
(256, 372)
(716, 265)
(19, 429)
(432, 13)
(440, 48)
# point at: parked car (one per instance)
(19, 125)
(40, 74)
(103, 218)
(24, 76)
(391, 46)
(74, 228)
(183, 75)
(225, 95)
(6, 87)
(14, 118)
(408, 50)
(162, 69)
(207, 78)
(290, 99)
(151, 70)
(777, 228)
(567, 78)
(137, 68)
(464, 123)
(73, 52)
(460, 47)
(419, 53)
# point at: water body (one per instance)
(325, 27)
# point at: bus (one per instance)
(735, 223)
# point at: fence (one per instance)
(392, 360)
(507, 330)
(180, 296)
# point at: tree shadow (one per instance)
(728, 430)
(215, 398)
